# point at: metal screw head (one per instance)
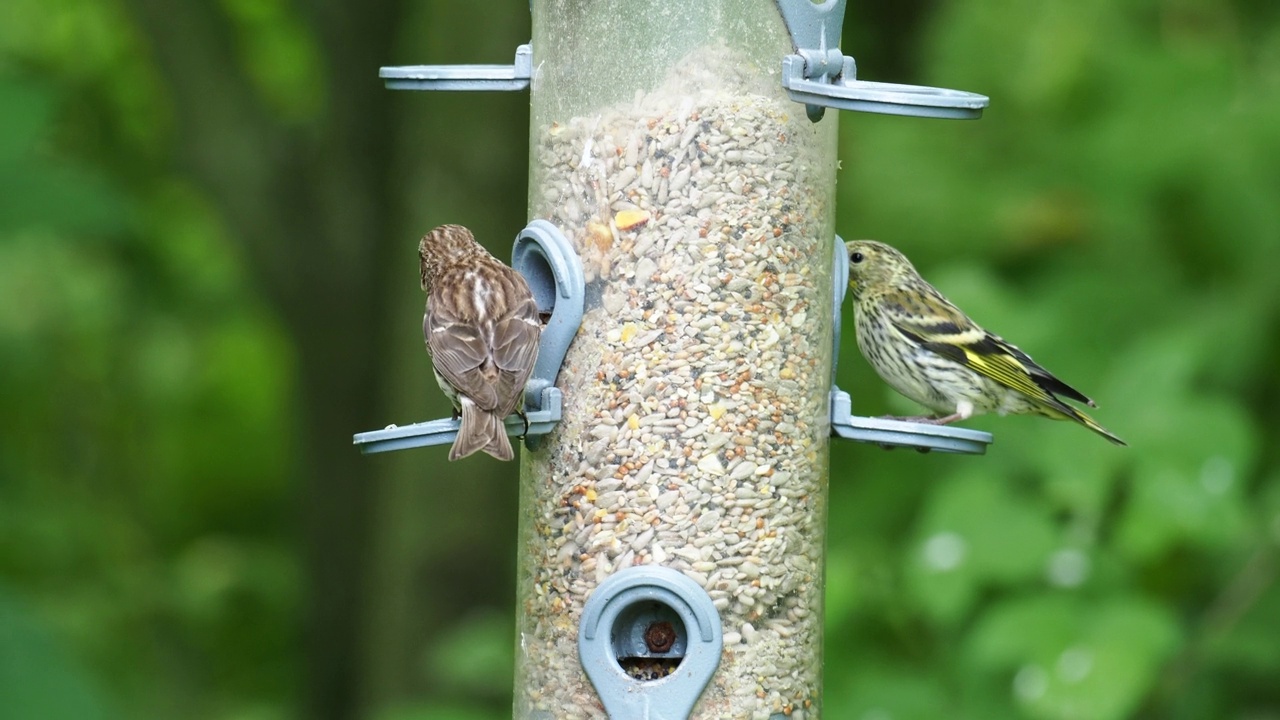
(659, 636)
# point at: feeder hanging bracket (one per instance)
(819, 75)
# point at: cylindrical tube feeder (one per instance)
(674, 489)
(695, 421)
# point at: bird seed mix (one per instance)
(696, 421)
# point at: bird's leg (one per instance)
(964, 411)
(524, 418)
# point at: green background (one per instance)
(208, 212)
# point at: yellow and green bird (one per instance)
(927, 349)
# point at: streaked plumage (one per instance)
(927, 349)
(481, 328)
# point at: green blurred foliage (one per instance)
(1113, 213)
(1116, 213)
(144, 430)
(37, 678)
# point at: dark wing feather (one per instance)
(1044, 378)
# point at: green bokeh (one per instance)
(1116, 213)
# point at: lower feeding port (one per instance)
(649, 640)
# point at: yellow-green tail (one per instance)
(1092, 424)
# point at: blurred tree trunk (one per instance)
(886, 37)
(445, 533)
(321, 211)
(312, 207)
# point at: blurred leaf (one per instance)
(1248, 645)
(37, 678)
(280, 54)
(477, 654)
(843, 590)
(975, 533)
(1171, 503)
(884, 693)
(27, 111)
(1186, 486)
(1073, 658)
(34, 191)
(437, 712)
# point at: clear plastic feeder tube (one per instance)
(695, 423)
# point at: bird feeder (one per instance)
(673, 498)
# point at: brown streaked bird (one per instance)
(481, 328)
(927, 349)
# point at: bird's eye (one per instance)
(856, 257)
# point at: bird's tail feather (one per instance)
(1092, 424)
(481, 430)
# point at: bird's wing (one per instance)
(931, 321)
(1042, 377)
(459, 352)
(515, 349)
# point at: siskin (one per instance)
(927, 349)
(482, 328)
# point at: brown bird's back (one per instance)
(481, 328)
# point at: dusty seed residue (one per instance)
(695, 431)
